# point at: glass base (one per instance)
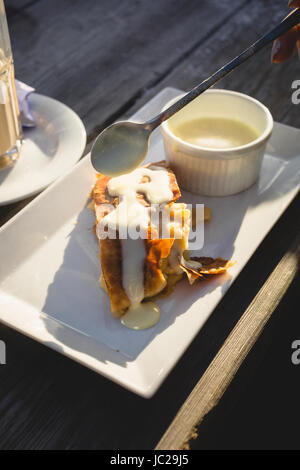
(10, 157)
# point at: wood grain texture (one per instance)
(106, 59)
(258, 77)
(49, 402)
(17, 7)
(229, 358)
(259, 410)
(98, 57)
(106, 54)
(194, 59)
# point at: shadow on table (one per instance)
(75, 300)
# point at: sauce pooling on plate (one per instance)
(143, 316)
(215, 132)
(131, 218)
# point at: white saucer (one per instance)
(49, 150)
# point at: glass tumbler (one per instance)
(10, 124)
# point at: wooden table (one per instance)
(106, 59)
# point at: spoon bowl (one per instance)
(120, 148)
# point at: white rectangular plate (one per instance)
(50, 266)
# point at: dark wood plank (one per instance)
(98, 57)
(260, 408)
(106, 54)
(221, 371)
(258, 77)
(46, 400)
(17, 7)
(272, 84)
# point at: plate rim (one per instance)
(80, 129)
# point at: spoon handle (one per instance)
(290, 21)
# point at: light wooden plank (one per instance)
(226, 363)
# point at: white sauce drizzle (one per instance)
(132, 217)
(144, 316)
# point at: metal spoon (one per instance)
(121, 147)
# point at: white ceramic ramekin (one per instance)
(218, 172)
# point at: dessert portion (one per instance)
(143, 235)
